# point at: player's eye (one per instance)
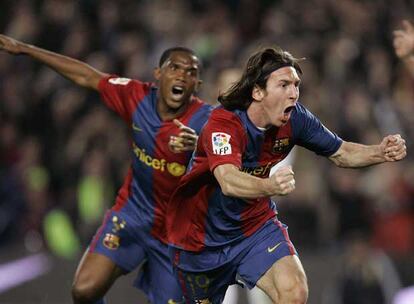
(192, 72)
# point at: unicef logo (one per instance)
(176, 169)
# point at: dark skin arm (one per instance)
(88, 77)
(79, 72)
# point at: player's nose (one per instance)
(294, 92)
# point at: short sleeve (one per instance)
(223, 139)
(122, 94)
(310, 133)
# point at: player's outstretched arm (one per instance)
(74, 70)
(404, 44)
(235, 183)
(353, 155)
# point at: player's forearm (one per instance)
(235, 183)
(353, 155)
(74, 70)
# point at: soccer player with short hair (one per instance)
(222, 224)
(164, 121)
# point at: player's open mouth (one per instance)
(288, 109)
(177, 91)
(286, 114)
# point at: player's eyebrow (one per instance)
(296, 82)
(193, 65)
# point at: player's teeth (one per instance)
(178, 89)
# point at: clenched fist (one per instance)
(393, 148)
(283, 181)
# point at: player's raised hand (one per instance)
(393, 148)
(186, 139)
(10, 45)
(404, 40)
(283, 181)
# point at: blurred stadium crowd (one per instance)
(63, 154)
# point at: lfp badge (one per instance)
(221, 143)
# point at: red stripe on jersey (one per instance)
(99, 232)
(286, 235)
(166, 181)
(272, 152)
(192, 216)
(122, 95)
(259, 210)
(180, 275)
(275, 146)
(256, 213)
(124, 193)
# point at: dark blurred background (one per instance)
(63, 154)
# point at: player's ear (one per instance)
(258, 93)
(198, 85)
(157, 73)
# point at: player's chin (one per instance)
(280, 122)
(175, 104)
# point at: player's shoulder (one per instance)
(301, 112)
(300, 109)
(221, 112)
(222, 116)
(199, 111)
(124, 82)
(197, 102)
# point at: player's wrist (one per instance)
(24, 48)
(380, 155)
(267, 187)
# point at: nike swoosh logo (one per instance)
(271, 249)
(135, 128)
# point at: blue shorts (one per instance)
(207, 274)
(129, 246)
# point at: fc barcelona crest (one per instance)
(111, 241)
(281, 145)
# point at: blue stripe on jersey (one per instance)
(221, 211)
(146, 124)
(199, 118)
(197, 122)
(255, 139)
(311, 134)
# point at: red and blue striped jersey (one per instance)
(155, 170)
(199, 214)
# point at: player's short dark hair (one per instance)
(258, 69)
(167, 53)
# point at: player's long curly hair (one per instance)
(258, 69)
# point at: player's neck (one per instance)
(167, 113)
(257, 116)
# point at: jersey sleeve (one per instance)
(311, 134)
(122, 94)
(223, 140)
